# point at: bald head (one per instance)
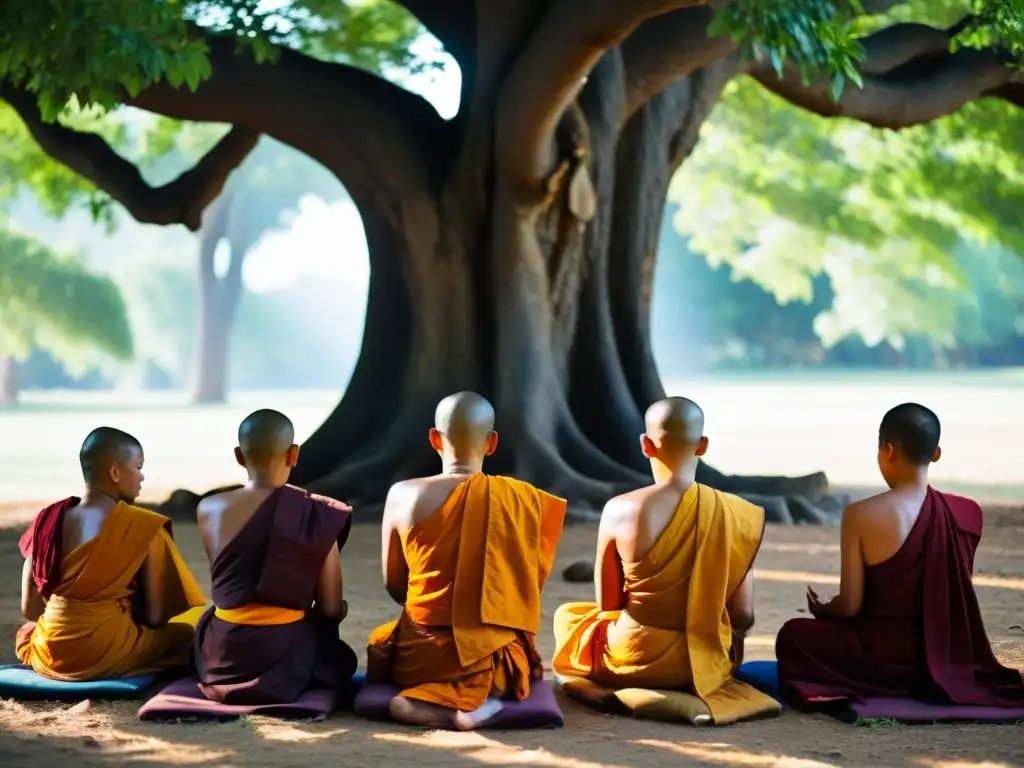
(675, 424)
(103, 447)
(265, 437)
(466, 420)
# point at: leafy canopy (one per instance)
(55, 303)
(904, 224)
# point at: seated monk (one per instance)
(276, 573)
(102, 578)
(673, 580)
(466, 555)
(906, 622)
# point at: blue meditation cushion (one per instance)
(763, 675)
(18, 681)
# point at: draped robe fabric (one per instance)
(90, 629)
(261, 643)
(477, 566)
(919, 633)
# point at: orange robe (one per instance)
(87, 631)
(674, 632)
(476, 569)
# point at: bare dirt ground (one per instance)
(108, 733)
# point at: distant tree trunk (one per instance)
(218, 302)
(8, 381)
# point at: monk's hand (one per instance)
(814, 604)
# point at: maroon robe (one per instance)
(42, 542)
(276, 559)
(919, 633)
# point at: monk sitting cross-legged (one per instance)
(276, 572)
(466, 555)
(674, 584)
(906, 622)
(102, 578)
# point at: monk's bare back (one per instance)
(882, 523)
(640, 517)
(220, 517)
(413, 501)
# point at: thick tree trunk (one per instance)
(218, 303)
(512, 248)
(550, 318)
(8, 381)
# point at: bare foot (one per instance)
(468, 721)
(419, 713)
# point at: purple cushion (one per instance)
(912, 711)
(538, 710)
(182, 699)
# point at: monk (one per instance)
(275, 565)
(103, 579)
(675, 589)
(906, 621)
(466, 555)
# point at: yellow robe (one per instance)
(674, 632)
(476, 569)
(87, 631)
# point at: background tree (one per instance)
(54, 303)
(266, 187)
(511, 247)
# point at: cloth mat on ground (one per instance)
(764, 675)
(19, 681)
(538, 710)
(653, 704)
(182, 700)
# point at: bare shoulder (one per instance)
(402, 500)
(627, 507)
(215, 504)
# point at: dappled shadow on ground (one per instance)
(109, 734)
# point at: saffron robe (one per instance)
(477, 566)
(89, 629)
(261, 643)
(919, 633)
(674, 631)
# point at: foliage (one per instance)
(133, 45)
(23, 165)
(53, 302)
(783, 195)
(822, 35)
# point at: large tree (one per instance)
(53, 302)
(511, 247)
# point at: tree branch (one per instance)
(370, 132)
(549, 74)
(667, 48)
(450, 21)
(182, 201)
(915, 91)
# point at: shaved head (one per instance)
(105, 446)
(265, 436)
(675, 423)
(913, 430)
(465, 419)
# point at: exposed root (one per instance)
(586, 457)
(539, 462)
(813, 487)
(402, 454)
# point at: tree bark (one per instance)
(8, 381)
